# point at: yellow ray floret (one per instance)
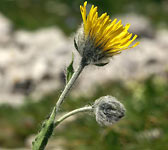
(111, 36)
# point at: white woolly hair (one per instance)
(87, 50)
(108, 110)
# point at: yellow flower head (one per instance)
(100, 38)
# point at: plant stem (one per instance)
(83, 109)
(69, 85)
(48, 125)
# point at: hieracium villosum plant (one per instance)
(97, 40)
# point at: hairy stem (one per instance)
(69, 85)
(71, 113)
(46, 131)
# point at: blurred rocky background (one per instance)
(36, 45)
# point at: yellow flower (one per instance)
(100, 38)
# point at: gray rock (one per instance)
(140, 25)
(33, 63)
(5, 29)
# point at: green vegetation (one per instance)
(32, 14)
(147, 109)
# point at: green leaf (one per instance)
(101, 64)
(70, 70)
(76, 46)
(44, 134)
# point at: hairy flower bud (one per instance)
(108, 110)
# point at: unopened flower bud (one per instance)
(108, 110)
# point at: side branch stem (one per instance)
(83, 109)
